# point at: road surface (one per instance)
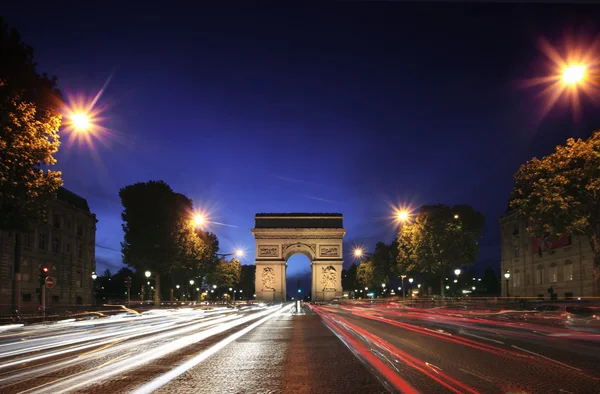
(250, 350)
(438, 350)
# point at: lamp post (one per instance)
(457, 273)
(403, 290)
(382, 290)
(410, 280)
(94, 276)
(507, 276)
(191, 290)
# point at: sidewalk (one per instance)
(288, 354)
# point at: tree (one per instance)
(560, 194)
(159, 235)
(247, 280)
(227, 273)
(441, 238)
(30, 118)
(384, 262)
(349, 278)
(365, 273)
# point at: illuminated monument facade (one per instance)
(279, 236)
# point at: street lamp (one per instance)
(147, 273)
(80, 121)
(199, 220)
(457, 272)
(402, 215)
(574, 74)
(191, 282)
(403, 291)
(94, 277)
(507, 276)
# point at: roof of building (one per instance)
(299, 220)
(72, 199)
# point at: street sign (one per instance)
(49, 282)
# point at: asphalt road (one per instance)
(440, 351)
(368, 348)
(250, 350)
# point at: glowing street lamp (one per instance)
(80, 121)
(199, 220)
(94, 276)
(574, 74)
(191, 282)
(410, 280)
(148, 274)
(457, 272)
(402, 215)
(507, 276)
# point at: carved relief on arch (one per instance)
(297, 247)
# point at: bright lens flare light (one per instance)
(358, 252)
(239, 253)
(199, 220)
(402, 215)
(81, 121)
(573, 74)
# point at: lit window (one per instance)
(553, 273)
(568, 270)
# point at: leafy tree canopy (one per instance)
(560, 193)
(159, 235)
(29, 121)
(440, 239)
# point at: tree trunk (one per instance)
(16, 279)
(157, 290)
(596, 275)
(442, 288)
(595, 244)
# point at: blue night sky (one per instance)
(352, 108)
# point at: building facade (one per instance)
(552, 268)
(65, 244)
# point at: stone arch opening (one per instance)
(299, 276)
(279, 236)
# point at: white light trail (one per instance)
(174, 373)
(137, 360)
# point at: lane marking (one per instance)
(476, 375)
(484, 338)
(547, 358)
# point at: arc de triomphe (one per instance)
(318, 236)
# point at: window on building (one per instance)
(26, 297)
(553, 273)
(42, 241)
(539, 275)
(56, 245)
(80, 230)
(516, 279)
(79, 251)
(69, 224)
(568, 270)
(55, 299)
(28, 240)
(68, 248)
(516, 250)
(78, 300)
(516, 229)
(56, 220)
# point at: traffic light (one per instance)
(43, 273)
